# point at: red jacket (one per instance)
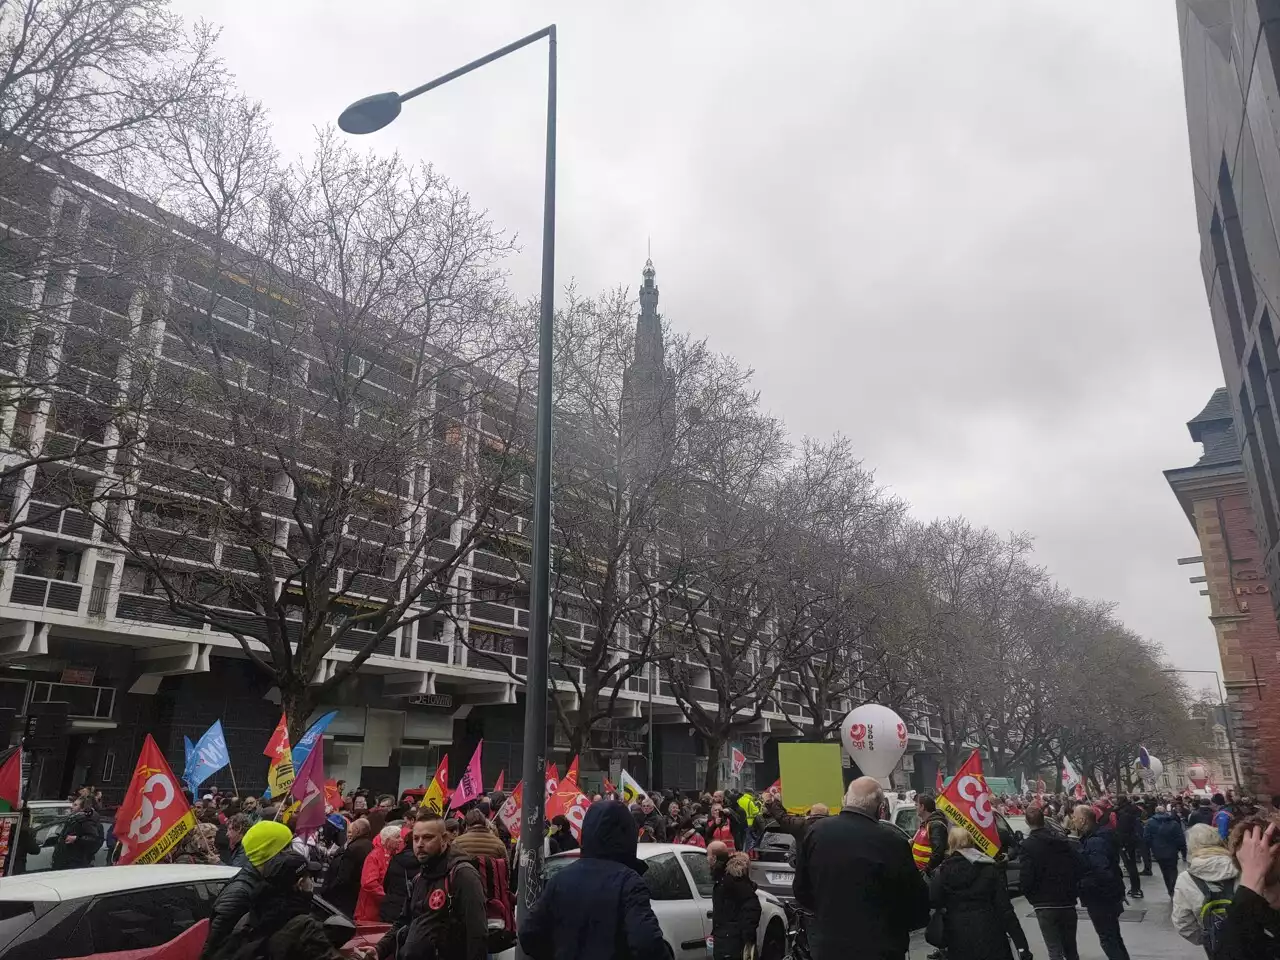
(369, 902)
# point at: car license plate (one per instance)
(784, 878)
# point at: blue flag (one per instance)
(302, 749)
(188, 759)
(207, 757)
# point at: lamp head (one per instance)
(370, 113)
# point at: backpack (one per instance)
(1213, 913)
(499, 904)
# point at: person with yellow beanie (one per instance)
(262, 842)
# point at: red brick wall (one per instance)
(1248, 638)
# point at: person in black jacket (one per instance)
(397, 882)
(279, 924)
(443, 917)
(1051, 869)
(342, 881)
(735, 908)
(856, 876)
(263, 842)
(81, 837)
(1252, 930)
(1167, 841)
(599, 905)
(979, 919)
(1128, 833)
(1102, 887)
(1201, 814)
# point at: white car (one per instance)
(105, 910)
(679, 880)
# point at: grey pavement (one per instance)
(1146, 926)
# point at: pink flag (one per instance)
(502, 776)
(308, 790)
(472, 783)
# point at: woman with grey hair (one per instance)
(1210, 870)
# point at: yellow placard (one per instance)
(810, 774)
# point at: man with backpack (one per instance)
(444, 916)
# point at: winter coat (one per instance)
(691, 838)
(1215, 870)
(857, 876)
(1051, 869)
(1252, 930)
(480, 842)
(657, 825)
(722, 831)
(87, 830)
(939, 826)
(562, 841)
(1165, 837)
(443, 917)
(979, 919)
(1128, 824)
(230, 906)
(735, 908)
(402, 870)
(1200, 815)
(599, 905)
(278, 927)
(342, 882)
(1222, 820)
(369, 903)
(1102, 886)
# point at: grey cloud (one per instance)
(961, 234)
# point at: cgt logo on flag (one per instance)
(154, 815)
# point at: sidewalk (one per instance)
(1146, 926)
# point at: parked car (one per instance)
(48, 834)
(155, 910)
(773, 864)
(1011, 837)
(679, 879)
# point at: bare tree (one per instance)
(86, 88)
(337, 328)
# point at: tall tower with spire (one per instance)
(647, 376)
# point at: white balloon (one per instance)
(875, 738)
(1198, 774)
(1149, 774)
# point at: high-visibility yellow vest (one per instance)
(921, 848)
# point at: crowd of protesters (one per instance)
(445, 886)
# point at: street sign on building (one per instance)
(432, 700)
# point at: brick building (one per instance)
(1230, 52)
(1215, 495)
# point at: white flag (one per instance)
(1025, 788)
(1070, 779)
(632, 792)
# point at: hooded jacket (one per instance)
(1051, 869)
(1218, 869)
(397, 882)
(980, 920)
(261, 843)
(443, 917)
(342, 883)
(735, 908)
(372, 876)
(1165, 837)
(598, 906)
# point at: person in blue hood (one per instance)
(599, 905)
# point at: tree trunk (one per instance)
(714, 746)
(296, 702)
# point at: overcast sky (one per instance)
(960, 233)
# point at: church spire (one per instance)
(649, 350)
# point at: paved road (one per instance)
(1148, 931)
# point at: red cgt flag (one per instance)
(154, 815)
(571, 775)
(967, 801)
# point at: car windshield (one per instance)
(554, 865)
(41, 815)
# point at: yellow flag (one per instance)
(438, 789)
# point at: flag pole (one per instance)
(232, 770)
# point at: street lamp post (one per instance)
(1226, 713)
(374, 113)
